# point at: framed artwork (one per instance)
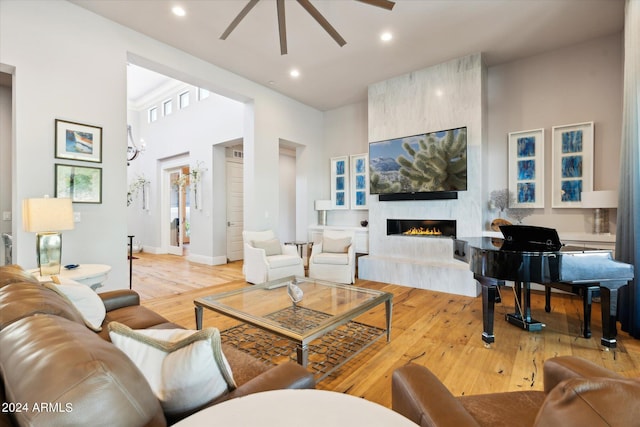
(340, 182)
(359, 181)
(81, 184)
(572, 164)
(75, 141)
(526, 168)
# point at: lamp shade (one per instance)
(600, 199)
(323, 205)
(47, 214)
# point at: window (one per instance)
(167, 107)
(153, 114)
(202, 94)
(183, 100)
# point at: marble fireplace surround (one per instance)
(419, 262)
(444, 96)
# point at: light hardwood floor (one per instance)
(437, 330)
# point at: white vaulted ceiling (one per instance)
(425, 33)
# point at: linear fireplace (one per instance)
(422, 227)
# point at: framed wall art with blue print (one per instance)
(526, 168)
(572, 164)
(340, 182)
(359, 181)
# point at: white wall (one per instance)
(286, 230)
(577, 84)
(50, 43)
(5, 163)
(345, 134)
(71, 64)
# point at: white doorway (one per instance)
(235, 208)
(176, 210)
(287, 194)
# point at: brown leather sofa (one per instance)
(56, 371)
(576, 393)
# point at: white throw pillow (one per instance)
(84, 299)
(338, 246)
(271, 246)
(184, 368)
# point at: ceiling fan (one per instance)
(306, 4)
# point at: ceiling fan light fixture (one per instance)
(311, 10)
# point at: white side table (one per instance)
(309, 408)
(92, 275)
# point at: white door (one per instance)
(177, 210)
(235, 224)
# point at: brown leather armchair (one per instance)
(576, 393)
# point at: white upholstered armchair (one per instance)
(333, 258)
(266, 258)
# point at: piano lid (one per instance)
(528, 238)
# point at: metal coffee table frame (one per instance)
(278, 288)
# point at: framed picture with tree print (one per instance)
(81, 184)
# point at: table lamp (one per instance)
(600, 201)
(47, 217)
(322, 206)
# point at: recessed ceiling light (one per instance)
(178, 11)
(294, 73)
(386, 36)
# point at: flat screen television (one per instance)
(426, 166)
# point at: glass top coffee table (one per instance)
(324, 307)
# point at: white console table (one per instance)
(361, 235)
(92, 275)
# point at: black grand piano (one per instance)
(529, 254)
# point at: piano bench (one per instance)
(586, 291)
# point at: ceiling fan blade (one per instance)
(238, 18)
(385, 4)
(322, 21)
(282, 27)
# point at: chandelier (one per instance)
(132, 149)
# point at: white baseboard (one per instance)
(207, 260)
(152, 250)
(200, 259)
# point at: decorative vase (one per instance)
(496, 223)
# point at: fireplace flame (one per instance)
(434, 231)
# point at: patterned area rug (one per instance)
(326, 354)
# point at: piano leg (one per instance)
(547, 299)
(489, 295)
(609, 305)
(587, 299)
(488, 310)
